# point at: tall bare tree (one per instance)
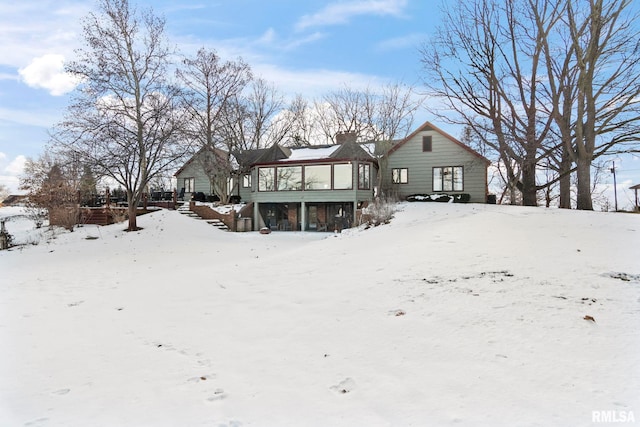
(125, 119)
(378, 116)
(550, 83)
(252, 119)
(485, 65)
(606, 48)
(212, 87)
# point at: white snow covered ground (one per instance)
(470, 315)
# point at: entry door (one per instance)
(312, 217)
(340, 215)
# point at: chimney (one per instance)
(343, 137)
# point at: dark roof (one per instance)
(278, 154)
(246, 158)
(192, 159)
(635, 187)
(351, 151)
(14, 199)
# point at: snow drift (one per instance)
(450, 315)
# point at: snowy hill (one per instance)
(470, 315)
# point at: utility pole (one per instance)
(615, 186)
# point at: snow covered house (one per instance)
(322, 187)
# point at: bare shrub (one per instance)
(379, 212)
(118, 215)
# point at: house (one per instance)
(430, 161)
(321, 188)
(315, 188)
(199, 175)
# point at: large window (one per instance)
(189, 185)
(289, 178)
(343, 176)
(364, 176)
(450, 178)
(317, 177)
(400, 175)
(246, 180)
(266, 179)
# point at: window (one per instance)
(246, 180)
(343, 176)
(289, 178)
(364, 176)
(450, 178)
(400, 175)
(426, 143)
(266, 179)
(189, 185)
(317, 177)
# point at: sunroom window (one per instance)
(266, 179)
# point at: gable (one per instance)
(196, 156)
(429, 129)
(351, 151)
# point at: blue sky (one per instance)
(308, 47)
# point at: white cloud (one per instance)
(409, 41)
(313, 82)
(268, 37)
(341, 13)
(16, 167)
(10, 176)
(47, 72)
(304, 40)
(29, 29)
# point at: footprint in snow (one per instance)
(218, 394)
(345, 386)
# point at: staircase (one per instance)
(184, 210)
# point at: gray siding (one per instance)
(444, 153)
(194, 170)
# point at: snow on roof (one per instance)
(311, 153)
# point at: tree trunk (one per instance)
(565, 179)
(584, 184)
(529, 194)
(132, 209)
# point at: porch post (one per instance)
(303, 214)
(355, 212)
(256, 216)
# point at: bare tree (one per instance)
(606, 45)
(551, 83)
(213, 86)
(485, 66)
(252, 120)
(125, 120)
(379, 117)
(298, 119)
(52, 185)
